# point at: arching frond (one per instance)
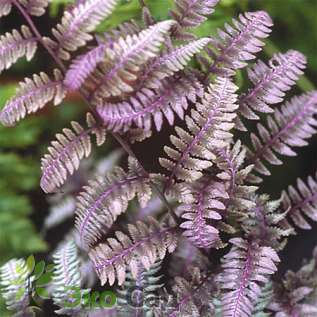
(35, 7)
(32, 95)
(105, 198)
(190, 14)
(83, 66)
(14, 283)
(73, 31)
(245, 271)
(148, 105)
(301, 201)
(5, 7)
(290, 126)
(270, 83)
(170, 63)
(238, 43)
(124, 58)
(230, 161)
(209, 126)
(15, 45)
(67, 151)
(202, 207)
(66, 278)
(147, 243)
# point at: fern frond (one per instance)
(238, 43)
(66, 278)
(301, 201)
(270, 83)
(15, 288)
(290, 126)
(35, 7)
(148, 105)
(124, 58)
(230, 161)
(5, 7)
(202, 208)
(190, 14)
(67, 151)
(73, 31)
(245, 271)
(59, 212)
(170, 63)
(15, 45)
(138, 295)
(105, 198)
(147, 243)
(209, 126)
(263, 301)
(32, 95)
(265, 223)
(83, 66)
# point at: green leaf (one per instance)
(30, 263)
(39, 269)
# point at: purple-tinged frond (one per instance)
(270, 83)
(5, 7)
(209, 126)
(83, 66)
(246, 269)
(73, 31)
(230, 161)
(15, 45)
(148, 105)
(239, 43)
(67, 151)
(105, 198)
(35, 7)
(145, 244)
(170, 63)
(124, 59)
(190, 14)
(32, 95)
(290, 126)
(201, 210)
(301, 201)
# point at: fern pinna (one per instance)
(132, 78)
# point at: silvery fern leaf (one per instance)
(301, 201)
(170, 63)
(67, 151)
(83, 66)
(290, 126)
(209, 125)
(35, 7)
(230, 161)
(32, 95)
(139, 295)
(66, 279)
(5, 7)
(15, 286)
(201, 211)
(190, 14)
(105, 198)
(73, 31)
(59, 212)
(245, 271)
(270, 83)
(152, 105)
(238, 44)
(124, 59)
(147, 243)
(15, 45)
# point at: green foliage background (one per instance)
(21, 200)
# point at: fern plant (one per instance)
(130, 79)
